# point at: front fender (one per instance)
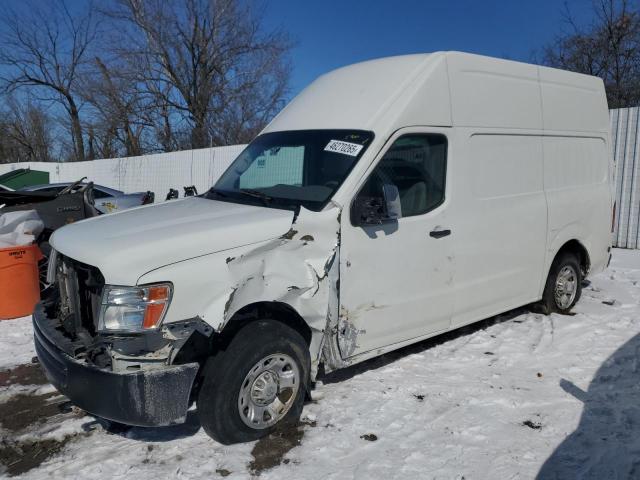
(293, 269)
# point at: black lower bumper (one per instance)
(143, 398)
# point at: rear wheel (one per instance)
(564, 284)
(257, 384)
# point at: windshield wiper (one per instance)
(215, 191)
(257, 194)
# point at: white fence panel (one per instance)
(625, 143)
(157, 172)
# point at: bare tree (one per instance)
(45, 47)
(204, 60)
(164, 126)
(608, 48)
(25, 133)
(250, 103)
(118, 107)
(165, 75)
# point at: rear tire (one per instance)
(257, 384)
(564, 285)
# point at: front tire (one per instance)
(259, 382)
(564, 285)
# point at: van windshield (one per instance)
(292, 168)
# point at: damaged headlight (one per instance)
(134, 309)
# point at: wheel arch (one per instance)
(272, 310)
(575, 246)
(578, 249)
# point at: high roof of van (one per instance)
(448, 89)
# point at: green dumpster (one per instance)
(23, 177)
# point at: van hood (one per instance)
(128, 244)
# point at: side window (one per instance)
(100, 194)
(416, 164)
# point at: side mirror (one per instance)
(392, 201)
(377, 210)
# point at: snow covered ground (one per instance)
(517, 396)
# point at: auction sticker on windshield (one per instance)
(346, 148)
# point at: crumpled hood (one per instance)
(128, 244)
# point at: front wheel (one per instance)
(564, 285)
(258, 383)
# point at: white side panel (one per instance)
(576, 177)
(574, 162)
(500, 217)
(489, 92)
(505, 166)
(573, 102)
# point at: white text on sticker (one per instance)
(346, 148)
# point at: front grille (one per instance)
(80, 290)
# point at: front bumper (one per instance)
(143, 398)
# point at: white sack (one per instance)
(19, 228)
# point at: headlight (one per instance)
(133, 309)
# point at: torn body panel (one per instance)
(300, 268)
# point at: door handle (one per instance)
(439, 233)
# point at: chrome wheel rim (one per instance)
(566, 287)
(268, 391)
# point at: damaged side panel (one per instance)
(300, 269)
(295, 269)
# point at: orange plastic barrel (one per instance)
(19, 281)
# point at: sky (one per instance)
(331, 33)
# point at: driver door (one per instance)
(396, 278)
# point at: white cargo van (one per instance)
(390, 201)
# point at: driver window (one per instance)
(416, 165)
